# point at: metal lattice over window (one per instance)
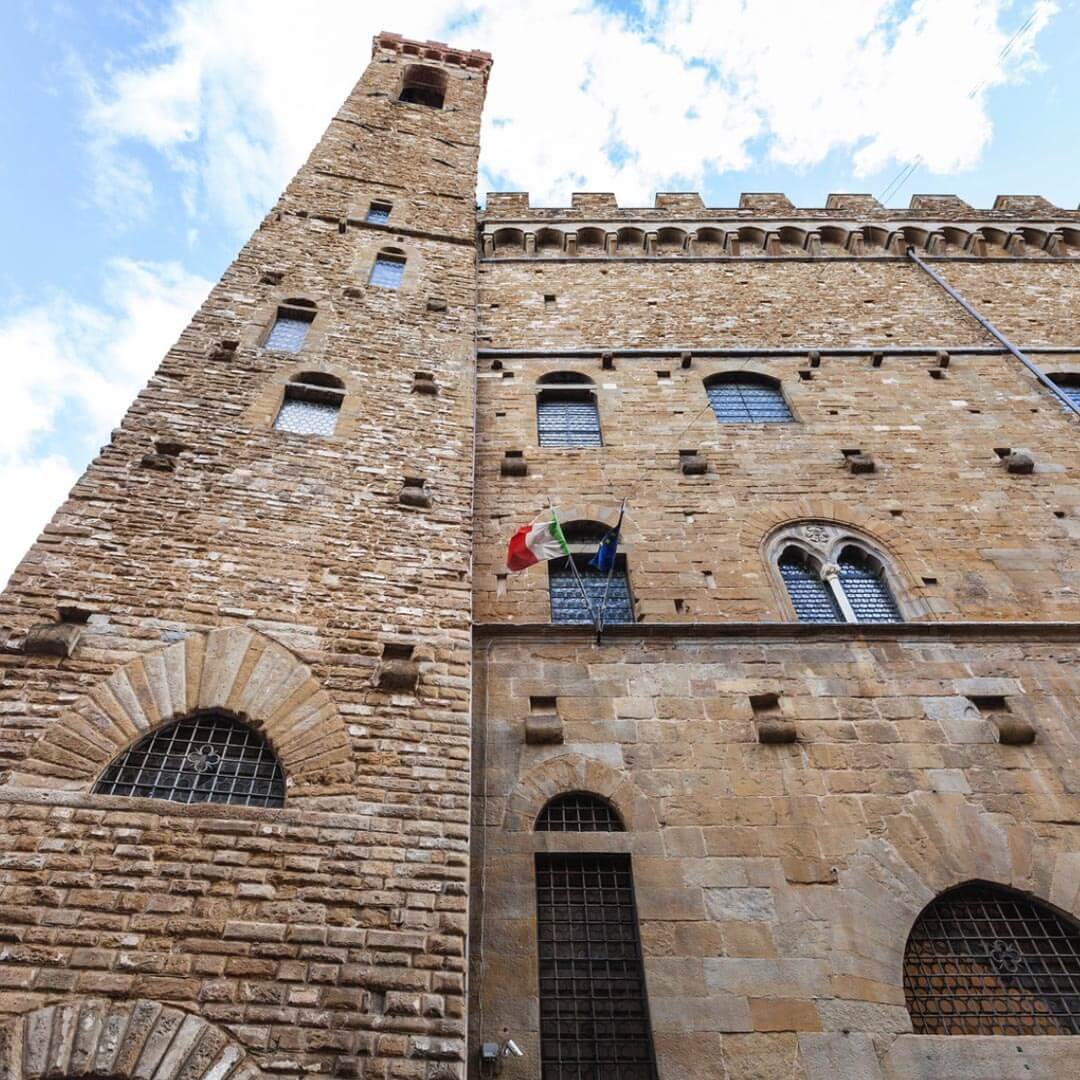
(811, 597)
(594, 1016)
(379, 213)
(579, 811)
(208, 758)
(744, 398)
(985, 960)
(567, 602)
(311, 404)
(1069, 385)
(388, 270)
(865, 587)
(567, 417)
(294, 319)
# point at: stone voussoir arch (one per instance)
(93, 1037)
(576, 772)
(936, 843)
(233, 670)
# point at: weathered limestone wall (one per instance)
(207, 561)
(776, 885)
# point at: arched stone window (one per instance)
(987, 960)
(206, 758)
(832, 576)
(311, 404)
(567, 416)
(388, 268)
(1068, 382)
(423, 85)
(594, 1015)
(579, 811)
(745, 397)
(568, 589)
(290, 326)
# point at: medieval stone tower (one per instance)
(299, 780)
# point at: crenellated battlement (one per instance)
(433, 52)
(515, 205)
(766, 224)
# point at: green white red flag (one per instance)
(538, 542)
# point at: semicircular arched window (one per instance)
(579, 811)
(743, 397)
(311, 404)
(566, 411)
(986, 960)
(206, 758)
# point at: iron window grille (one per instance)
(568, 418)
(289, 330)
(579, 811)
(747, 401)
(984, 960)
(567, 603)
(207, 758)
(387, 271)
(812, 598)
(594, 1015)
(866, 590)
(379, 213)
(309, 409)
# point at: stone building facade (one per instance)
(841, 692)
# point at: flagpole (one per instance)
(573, 567)
(607, 584)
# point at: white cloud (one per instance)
(70, 371)
(234, 95)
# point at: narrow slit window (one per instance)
(388, 271)
(311, 405)
(747, 399)
(290, 328)
(594, 1014)
(208, 758)
(811, 597)
(379, 213)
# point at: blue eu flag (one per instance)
(604, 559)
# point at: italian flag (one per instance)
(538, 542)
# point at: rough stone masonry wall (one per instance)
(968, 539)
(207, 561)
(776, 885)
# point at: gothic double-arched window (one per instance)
(986, 960)
(832, 576)
(210, 757)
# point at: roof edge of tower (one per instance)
(438, 51)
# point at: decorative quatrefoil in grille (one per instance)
(203, 758)
(1005, 958)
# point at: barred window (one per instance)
(863, 580)
(746, 398)
(379, 213)
(207, 758)
(388, 270)
(567, 602)
(311, 404)
(811, 597)
(294, 319)
(594, 1015)
(568, 418)
(579, 811)
(986, 960)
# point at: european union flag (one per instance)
(604, 559)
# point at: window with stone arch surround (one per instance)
(829, 573)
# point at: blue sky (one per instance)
(144, 139)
